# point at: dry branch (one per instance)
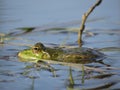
(84, 18)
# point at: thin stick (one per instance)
(84, 18)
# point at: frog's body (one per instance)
(74, 55)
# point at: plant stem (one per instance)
(84, 18)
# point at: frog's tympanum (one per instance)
(72, 55)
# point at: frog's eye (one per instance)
(35, 48)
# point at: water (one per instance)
(103, 23)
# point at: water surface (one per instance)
(102, 32)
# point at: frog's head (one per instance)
(39, 50)
(38, 47)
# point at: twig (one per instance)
(84, 18)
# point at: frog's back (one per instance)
(77, 55)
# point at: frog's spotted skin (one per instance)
(73, 55)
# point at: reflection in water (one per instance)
(102, 76)
(104, 86)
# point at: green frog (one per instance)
(72, 55)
